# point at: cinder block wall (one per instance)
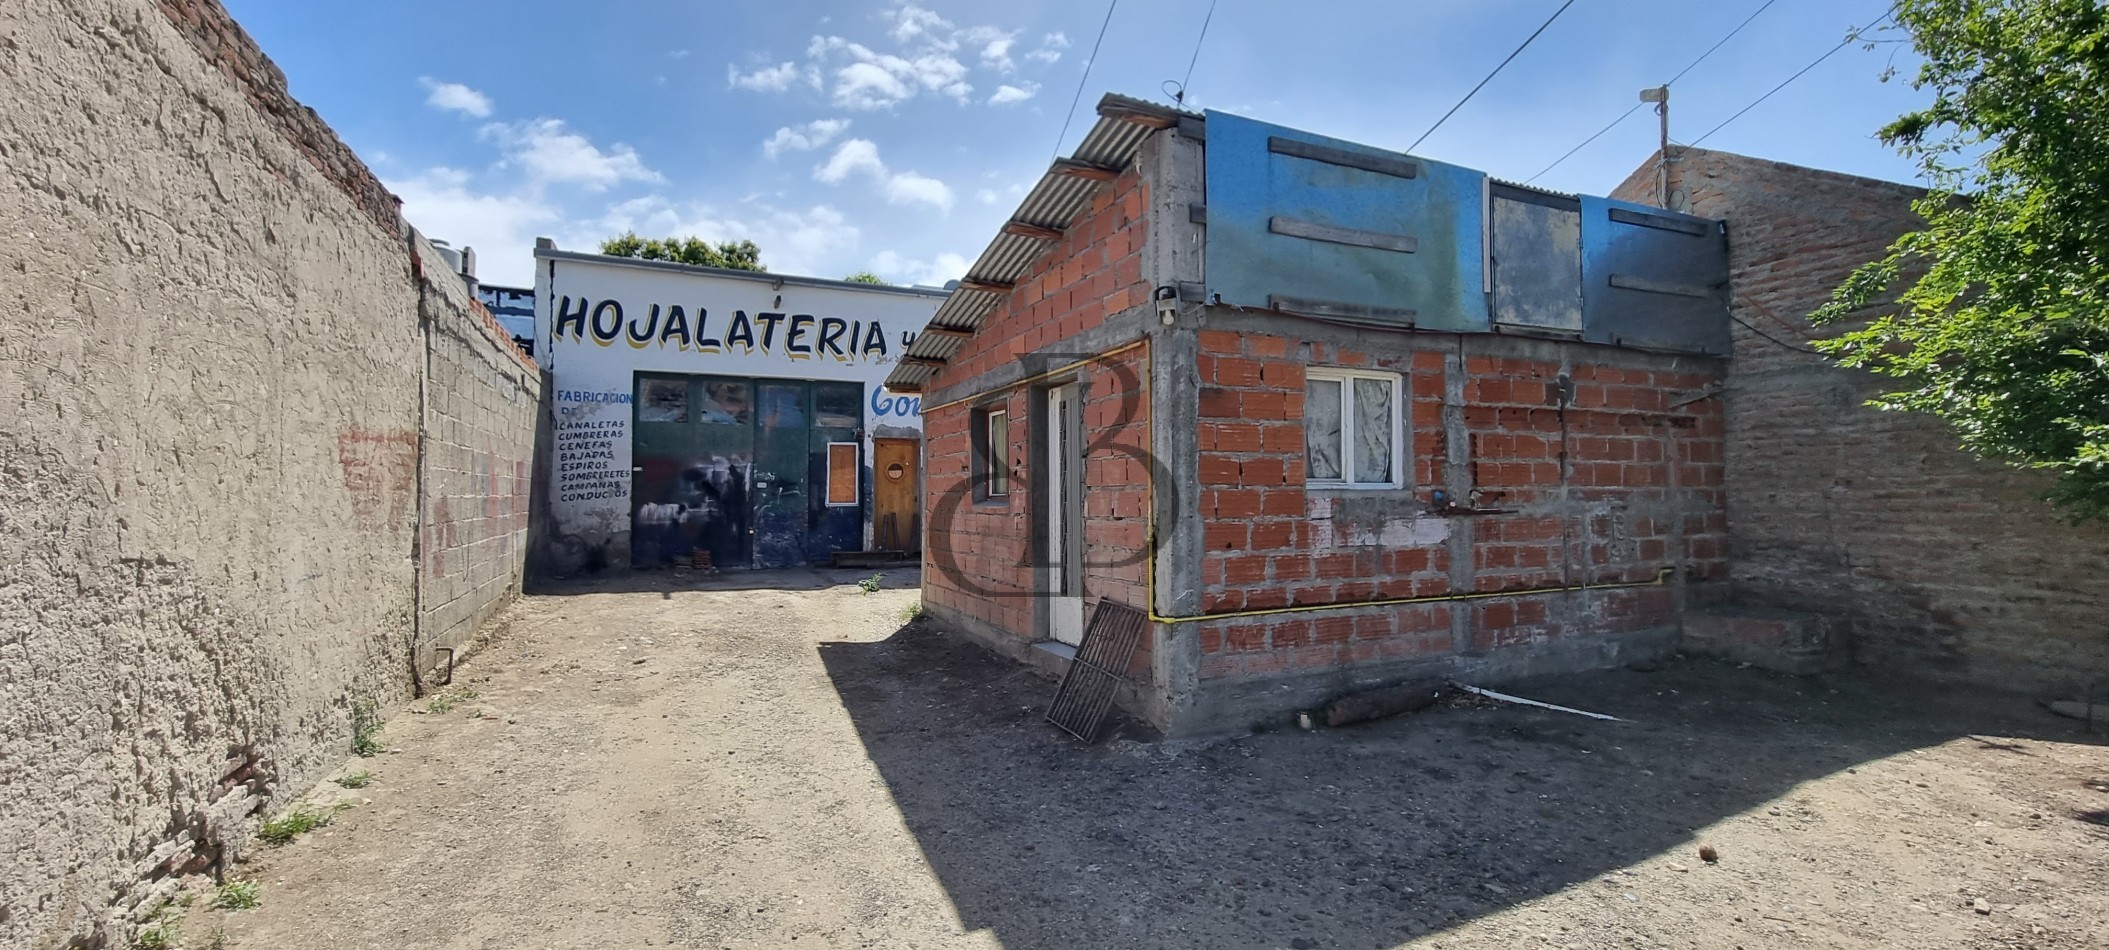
(210, 351)
(483, 407)
(1942, 565)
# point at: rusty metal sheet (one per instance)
(1351, 231)
(1653, 279)
(1537, 261)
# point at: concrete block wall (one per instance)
(1935, 563)
(211, 353)
(482, 413)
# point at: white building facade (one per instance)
(726, 417)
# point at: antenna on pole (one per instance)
(1660, 96)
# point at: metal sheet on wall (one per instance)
(1315, 225)
(1653, 279)
(1537, 258)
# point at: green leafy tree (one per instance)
(1995, 314)
(865, 277)
(734, 255)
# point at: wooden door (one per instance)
(896, 466)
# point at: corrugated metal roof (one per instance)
(1053, 203)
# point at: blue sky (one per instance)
(844, 135)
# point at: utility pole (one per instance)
(1660, 96)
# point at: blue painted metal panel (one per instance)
(1653, 279)
(1316, 225)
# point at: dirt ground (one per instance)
(649, 764)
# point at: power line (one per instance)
(1490, 77)
(1623, 116)
(1848, 41)
(1086, 77)
(1180, 96)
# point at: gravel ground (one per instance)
(646, 763)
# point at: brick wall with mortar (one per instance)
(1622, 485)
(1939, 564)
(210, 344)
(1082, 298)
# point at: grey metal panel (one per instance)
(1653, 279)
(1537, 264)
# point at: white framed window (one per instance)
(991, 451)
(1354, 429)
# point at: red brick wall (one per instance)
(1939, 563)
(979, 554)
(1094, 271)
(1272, 544)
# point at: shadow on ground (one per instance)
(674, 580)
(1363, 837)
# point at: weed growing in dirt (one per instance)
(359, 779)
(445, 702)
(238, 895)
(912, 611)
(366, 731)
(293, 824)
(163, 935)
(870, 585)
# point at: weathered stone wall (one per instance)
(210, 357)
(1939, 564)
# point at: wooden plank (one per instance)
(842, 469)
(985, 286)
(1076, 169)
(1125, 112)
(1034, 231)
(953, 332)
(1381, 164)
(1658, 221)
(923, 361)
(1313, 231)
(1648, 285)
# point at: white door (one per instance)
(1065, 587)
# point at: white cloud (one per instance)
(775, 78)
(678, 53)
(867, 86)
(986, 196)
(860, 157)
(996, 48)
(875, 80)
(552, 153)
(500, 227)
(804, 138)
(900, 269)
(912, 23)
(455, 97)
(851, 157)
(1007, 93)
(909, 188)
(1050, 49)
